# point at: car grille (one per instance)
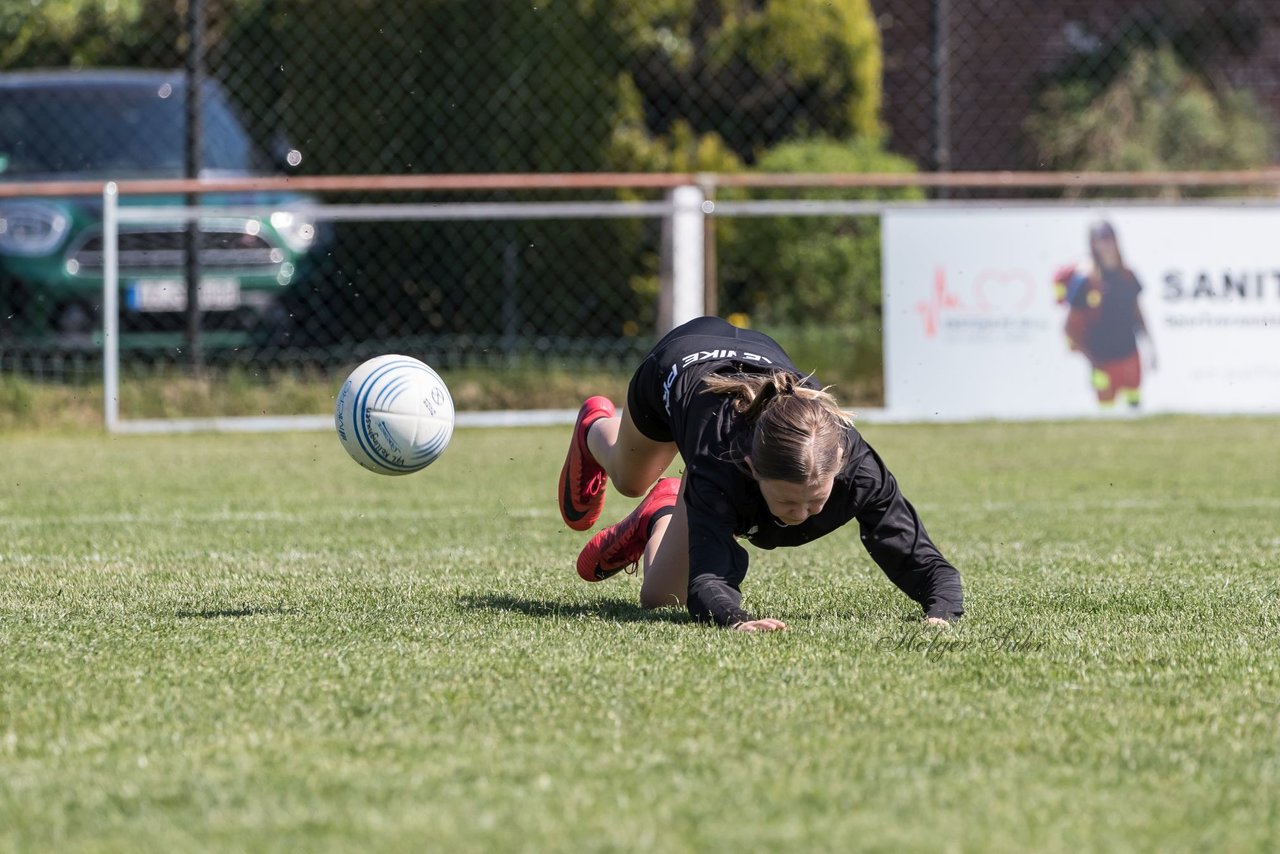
(154, 251)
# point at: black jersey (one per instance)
(668, 402)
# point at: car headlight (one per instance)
(32, 228)
(296, 227)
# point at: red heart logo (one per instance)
(1003, 290)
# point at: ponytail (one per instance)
(797, 431)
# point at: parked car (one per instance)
(128, 124)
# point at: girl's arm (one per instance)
(896, 539)
(717, 565)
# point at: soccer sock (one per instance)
(660, 513)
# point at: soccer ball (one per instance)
(394, 415)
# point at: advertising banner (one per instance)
(1027, 312)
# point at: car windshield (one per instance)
(113, 132)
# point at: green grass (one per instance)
(248, 643)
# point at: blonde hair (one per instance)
(798, 431)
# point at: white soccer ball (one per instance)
(394, 415)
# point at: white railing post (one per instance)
(110, 308)
(688, 263)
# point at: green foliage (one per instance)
(832, 46)
(756, 72)
(86, 33)
(436, 88)
(440, 88)
(549, 86)
(633, 147)
(1156, 114)
(798, 271)
(381, 87)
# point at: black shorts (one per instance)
(665, 385)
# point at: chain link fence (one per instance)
(981, 85)
(97, 90)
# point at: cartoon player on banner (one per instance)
(1104, 318)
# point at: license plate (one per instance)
(171, 295)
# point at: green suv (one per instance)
(119, 125)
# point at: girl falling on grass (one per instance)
(769, 457)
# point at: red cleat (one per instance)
(582, 480)
(622, 545)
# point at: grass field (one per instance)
(248, 643)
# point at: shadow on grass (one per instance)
(622, 612)
(243, 611)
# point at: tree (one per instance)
(755, 72)
(1155, 114)
(86, 33)
(446, 86)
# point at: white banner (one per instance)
(1049, 312)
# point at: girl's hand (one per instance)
(767, 625)
(937, 621)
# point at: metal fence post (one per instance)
(194, 164)
(110, 308)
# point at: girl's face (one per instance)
(1108, 251)
(793, 503)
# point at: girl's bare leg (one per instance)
(666, 560)
(633, 461)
